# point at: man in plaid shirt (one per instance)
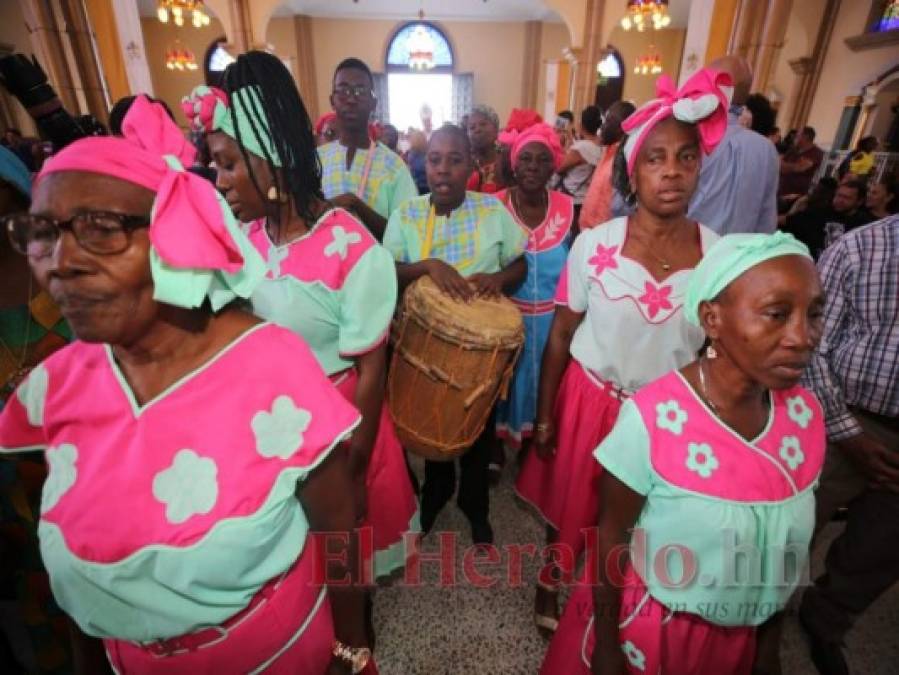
(855, 374)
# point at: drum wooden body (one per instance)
(451, 362)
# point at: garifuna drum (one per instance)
(451, 361)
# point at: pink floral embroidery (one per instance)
(604, 259)
(655, 299)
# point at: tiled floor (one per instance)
(462, 629)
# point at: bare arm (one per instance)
(372, 368)
(619, 508)
(555, 360)
(572, 159)
(374, 221)
(324, 495)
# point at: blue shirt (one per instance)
(737, 189)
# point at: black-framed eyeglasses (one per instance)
(98, 232)
(346, 91)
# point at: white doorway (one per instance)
(408, 92)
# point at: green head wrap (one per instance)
(731, 256)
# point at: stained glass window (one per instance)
(409, 35)
(890, 18)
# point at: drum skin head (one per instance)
(487, 321)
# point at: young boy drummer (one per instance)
(470, 245)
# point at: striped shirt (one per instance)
(857, 362)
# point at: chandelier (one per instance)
(641, 13)
(179, 57)
(421, 46)
(648, 64)
(179, 8)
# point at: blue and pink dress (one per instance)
(546, 253)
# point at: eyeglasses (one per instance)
(346, 91)
(98, 232)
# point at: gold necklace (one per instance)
(666, 266)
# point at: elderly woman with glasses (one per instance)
(360, 174)
(193, 449)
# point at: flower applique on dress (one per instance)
(791, 452)
(701, 459)
(279, 432)
(188, 487)
(603, 259)
(341, 242)
(656, 298)
(671, 416)
(799, 411)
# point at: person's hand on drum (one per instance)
(544, 441)
(449, 280)
(489, 285)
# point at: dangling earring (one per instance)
(272, 194)
(710, 352)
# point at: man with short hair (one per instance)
(737, 190)
(359, 174)
(798, 167)
(818, 229)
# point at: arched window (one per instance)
(419, 66)
(419, 46)
(609, 78)
(215, 61)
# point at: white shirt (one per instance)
(633, 330)
(577, 180)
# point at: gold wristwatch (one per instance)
(356, 658)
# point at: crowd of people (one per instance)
(198, 341)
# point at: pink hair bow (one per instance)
(703, 101)
(188, 228)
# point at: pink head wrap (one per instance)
(538, 133)
(192, 229)
(703, 101)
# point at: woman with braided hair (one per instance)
(328, 279)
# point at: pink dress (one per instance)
(632, 332)
(172, 529)
(336, 288)
(690, 600)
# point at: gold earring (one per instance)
(272, 194)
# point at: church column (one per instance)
(533, 36)
(748, 29)
(47, 42)
(803, 103)
(585, 78)
(306, 80)
(772, 42)
(81, 42)
(803, 68)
